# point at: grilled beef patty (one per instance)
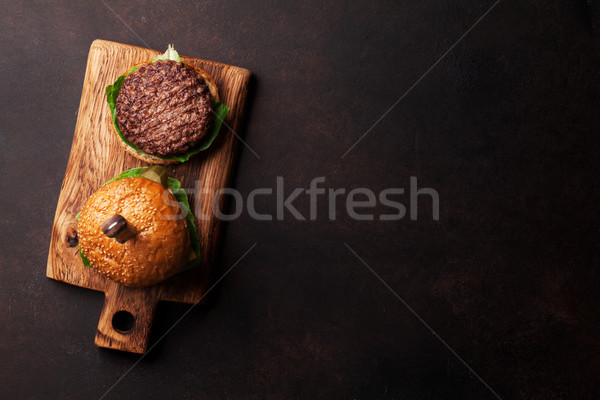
(164, 108)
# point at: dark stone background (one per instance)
(505, 128)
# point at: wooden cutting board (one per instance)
(96, 157)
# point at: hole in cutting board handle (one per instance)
(122, 322)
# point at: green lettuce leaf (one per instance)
(182, 198)
(86, 262)
(170, 54)
(128, 174)
(219, 109)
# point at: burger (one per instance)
(165, 111)
(137, 229)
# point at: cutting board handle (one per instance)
(126, 318)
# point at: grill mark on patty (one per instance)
(164, 108)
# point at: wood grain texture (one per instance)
(96, 156)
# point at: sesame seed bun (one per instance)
(161, 245)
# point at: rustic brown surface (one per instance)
(505, 128)
(96, 157)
